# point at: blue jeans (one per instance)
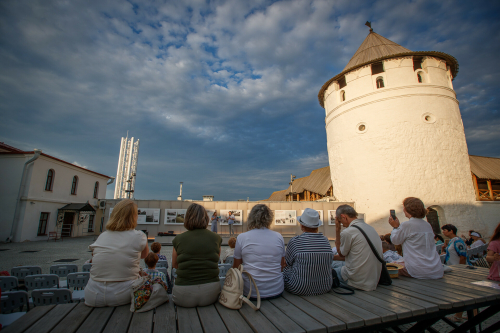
(337, 266)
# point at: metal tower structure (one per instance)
(127, 168)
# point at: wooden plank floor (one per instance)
(404, 300)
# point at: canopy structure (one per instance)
(486, 177)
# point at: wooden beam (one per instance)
(490, 189)
(298, 194)
(476, 188)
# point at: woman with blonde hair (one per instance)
(117, 253)
(196, 256)
(262, 253)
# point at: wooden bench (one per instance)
(423, 302)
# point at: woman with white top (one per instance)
(477, 240)
(262, 253)
(417, 239)
(116, 261)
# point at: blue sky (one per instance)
(221, 94)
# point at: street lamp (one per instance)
(292, 178)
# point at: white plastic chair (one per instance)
(51, 296)
(78, 281)
(230, 260)
(86, 267)
(174, 275)
(11, 301)
(223, 268)
(8, 283)
(163, 270)
(63, 270)
(162, 263)
(20, 272)
(41, 281)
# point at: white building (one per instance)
(394, 130)
(127, 168)
(53, 195)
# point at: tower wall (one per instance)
(412, 143)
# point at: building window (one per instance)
(96, 190)
(42, 224)
(417, 63)
(380, 82)
(342, 95)
(74, 185)
(420, 78)
(342, 82)
(91, 223)
(50, 180)
(377, 68)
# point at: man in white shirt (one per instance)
(361, 269)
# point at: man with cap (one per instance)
(308, 258)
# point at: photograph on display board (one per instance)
(210, 212)
(285, 217)
(320, 212)
(331, 217)
(148, 216)
(174, 216)
(238, 216)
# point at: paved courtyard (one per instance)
(46, 253)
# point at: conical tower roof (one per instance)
(374, 47)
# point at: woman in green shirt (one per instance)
(196, 256)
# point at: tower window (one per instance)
(342, 95)
(380, 82)
(419, 77)
(74, 185)
(342, 82)
(96, 190)
(417, 63)
(50, 180)
(377, 68)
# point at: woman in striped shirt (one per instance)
(308, 259)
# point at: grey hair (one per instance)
(347, 210)
(260, 217)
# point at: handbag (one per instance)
(385, 277)
(231, 295)
(147, 294)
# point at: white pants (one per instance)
(99, 294)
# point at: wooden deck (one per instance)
(406, 301)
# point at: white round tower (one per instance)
(394, 130)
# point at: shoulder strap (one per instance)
(375, 252)
(252, 281)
